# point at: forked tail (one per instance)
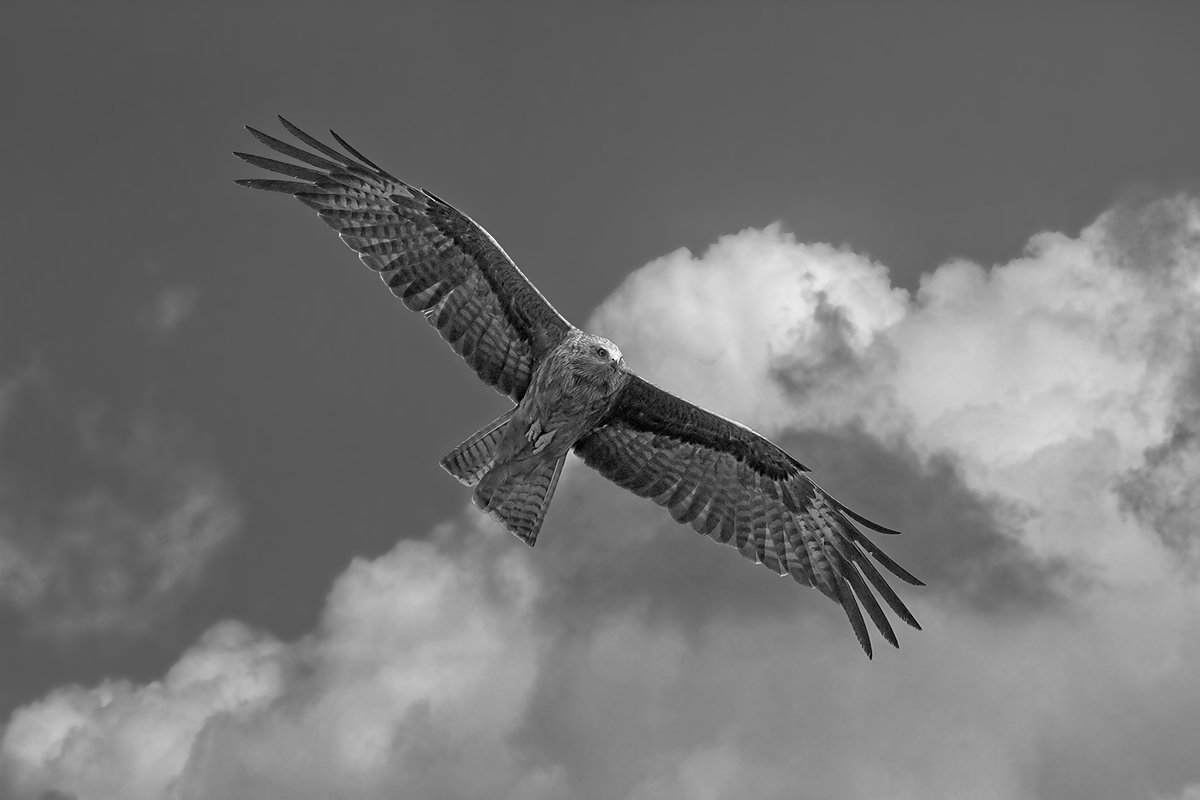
(518, 496)
(473, 458)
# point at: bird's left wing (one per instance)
(739, 489)
(431, 255)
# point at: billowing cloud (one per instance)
(122, 740)
(104, 524)
(1027, 425)
(752, 304)
(424, 662)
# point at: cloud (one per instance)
(753, 302)
(1164, 492)
(423, 663)
(104, 524)
(1025, 424)
(122, 740)
(170, 308)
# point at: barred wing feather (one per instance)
(737, 488)
(436, 259)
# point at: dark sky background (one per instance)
(162, 329)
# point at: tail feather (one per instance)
(473, 458)
(518, 500)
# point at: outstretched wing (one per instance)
(739, 489)
(432, 256)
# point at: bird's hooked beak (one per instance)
(618, 363)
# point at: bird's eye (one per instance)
(600, 351)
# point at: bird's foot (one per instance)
(538, 437)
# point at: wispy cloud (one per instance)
(105, 524)
(171, 306)
(999, 415)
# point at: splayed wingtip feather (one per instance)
(318, 145)
(859, 518)
(352, 151)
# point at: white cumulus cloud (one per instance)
(423, 664)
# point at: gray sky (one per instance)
(208, 409)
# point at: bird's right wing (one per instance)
(432, 256)
(736, 487)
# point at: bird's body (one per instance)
(571, 389)
(573, 392)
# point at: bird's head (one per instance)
(601, 360)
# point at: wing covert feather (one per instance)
(436, 259)
(736, 487)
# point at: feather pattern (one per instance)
(436, 259)
(738, 488)
(519, 498)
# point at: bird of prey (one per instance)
(573, 391)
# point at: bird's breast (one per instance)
(562, 399)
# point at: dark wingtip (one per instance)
(352, 151)
(908, 618)
(265, 138)
(890, 637)
(861, 520)
(292, 128)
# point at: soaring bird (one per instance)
(573, 391)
